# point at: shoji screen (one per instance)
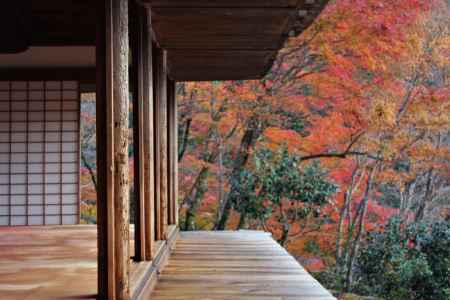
(39, 152)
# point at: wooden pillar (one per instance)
(112, 149)
(172, 133)
(149, 157)
(161, 151)
(137, 84)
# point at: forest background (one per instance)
(342, 151)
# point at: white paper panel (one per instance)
(18, 168)
(53, 199)
(36, 85)
(19, 105)
(18, 210)
(4, 116)
(35, 147)
(53, 85)
(36, 95)
(4, 221)
(53, 95)
(36, 126)
(35, 168)
(19, 95)
(4, 126)
(19, 189)
(69, 188)
(18, 147)
(15, 179)
(35, 178)
(35, 220)
(4, 137)
(69, 209)
(4, 189)
(39, 133)
(35, 189)
(4, 179)
(52, 209)
(4, 210)
(70, 220)
(4, 106)
(36, 105)
(53, 168)
(4, 168)
(18, 199)
(18, 85)
(35, 210)
(36, 199)
(4, 85)
(4, 96)
(52, 220)
(18, 221)
(4, 200)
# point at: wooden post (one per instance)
(161, 142)
(149, 195)
(137, 84)
(173, 152)
(112, 149)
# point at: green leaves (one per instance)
(406, 261)
(277, 177)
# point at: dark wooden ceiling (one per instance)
(227, 39)
(205, 39)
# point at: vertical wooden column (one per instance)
(112, 149)
(172, 133)
(137, 88)
(149, 157)
(161, 151)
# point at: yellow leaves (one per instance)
(383, 114)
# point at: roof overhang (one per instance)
(204, 39)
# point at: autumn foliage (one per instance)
(364, 93)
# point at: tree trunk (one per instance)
(193, 199)
(362, 212)
(427, 198)
(251, 135)
(342, 216)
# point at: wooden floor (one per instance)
(60, 262)
(48, 262)
(240, 265)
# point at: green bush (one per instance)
(406, 262)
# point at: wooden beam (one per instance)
(120, 101)
(105, 183)
(172, 133)
(149, 157)
(137, 91)
(112, 147)
(161, 141)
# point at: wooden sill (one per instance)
(145, 274)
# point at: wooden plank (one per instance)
(188, 65)
(51, 262)
(137, 89)
(149, 157)
(228, 28)
(234, 265)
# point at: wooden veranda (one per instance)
(123, 51)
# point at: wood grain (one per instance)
(234, 265)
